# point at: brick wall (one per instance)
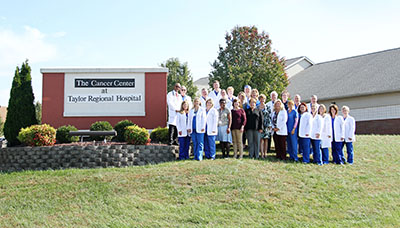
(381, 127)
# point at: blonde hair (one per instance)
(182, 109)
(256, 91)
(230, 88)
(262, 96)
(282, 107)
(290, 103)
(346, 108)
(323, 108)
(252, 100)
(196, 99)
(211, 101)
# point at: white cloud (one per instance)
(59, 34)
(31, 44)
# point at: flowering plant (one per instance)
(38, 135)
(137, 135)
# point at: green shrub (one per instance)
(101, 126)
(120, 128)
(63, 136)
(137, 135)
(38, 135)
(160, 135)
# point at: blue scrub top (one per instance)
(291, 120)
(194, 122)
(333, 129)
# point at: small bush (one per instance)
(120, 128)
(101, 126)
(137, 135)
(38, 135)
(62, 135)
(159, 135)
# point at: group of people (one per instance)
(295, 127)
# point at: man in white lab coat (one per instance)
(215, 94)
(174, 100)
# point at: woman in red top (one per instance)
(237, 127)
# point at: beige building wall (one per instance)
(298, 67)
(371, 107)
(3, 113)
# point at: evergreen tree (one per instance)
(21, 109)
(179, 73)
(248, 59)
(38, 110)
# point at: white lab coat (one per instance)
(326, 141)
(203, 101)
(212, 122)
(215, 98)
(200, 120)
(317, 127)
(281, 122)
(309, 107)
(349, 129)
(174, 101)
(338, 126)
(181, 124)
(305, 125)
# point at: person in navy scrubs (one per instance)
(292, 122)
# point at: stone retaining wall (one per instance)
(62, 157)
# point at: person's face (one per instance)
(290, 106)
(223, 93)
(333, 111)
(241, 97)
(236, 105)
(209, 104)
(302, 108)
(273, 96)
(262, 100)
(297, 99)
(345, 112)
(254, 94)
(313, 108)
(277, 106)
(320, 110)
(284, 97)
(196, 103)
(313, 100)
(185, 106)
(204, 93)
(183, 91)
(216, 85)
(247, 90)
(177, 87)
(230, 93)
(222, 105)
(253, 105)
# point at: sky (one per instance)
(147, 33)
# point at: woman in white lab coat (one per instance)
(197, 127)
(349, 133)
(305, 125)
(316, 132)
(181, 125)
(326, 135)
(211, 129)
(279, 120)
(337, 134)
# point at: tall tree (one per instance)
(21, 109)
(38, 111)
(179, 72)
(248, 59)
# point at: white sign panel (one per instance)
(104, 94)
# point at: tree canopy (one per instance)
(179, 73)
(248, 59)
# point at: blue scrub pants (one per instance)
(350, 152)
(337, 152)
(198, 145)
(209, 146)
(184, 143)
(316, 151)
(292, 146)
(304, 144)
(325, 155)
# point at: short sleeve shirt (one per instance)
(223, 117)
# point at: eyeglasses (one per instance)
(183, 89)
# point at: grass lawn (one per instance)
(220, 193)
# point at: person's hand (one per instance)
(202, 130)
(350, 139)
(228, 130)
(307, 135)
(214, 132)
(293, 132)
(180, 133)
(177, 110)
(317, 135)
(189, 131)
(260, 131)
(242, 129)
(329, 136)
(276, 129)
(341, 139)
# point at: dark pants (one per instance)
(280, 146)
(337, 152)
(269, 146)
(304, 144)
(173, 134)
(184, 143)
(325, 155)
(225, 148)
(317, 155)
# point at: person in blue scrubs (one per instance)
(305, 125)
(291, 124)
(196, 127)
(211, 130)
(181, 125)
(338, 135)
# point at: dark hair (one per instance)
(222, 100)
(334, 107)
(298, 108)
(235, 100)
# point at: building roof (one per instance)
(102, 69)
(291, 62)
(372, 73)
(202, 81)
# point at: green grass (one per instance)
(220, 193)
